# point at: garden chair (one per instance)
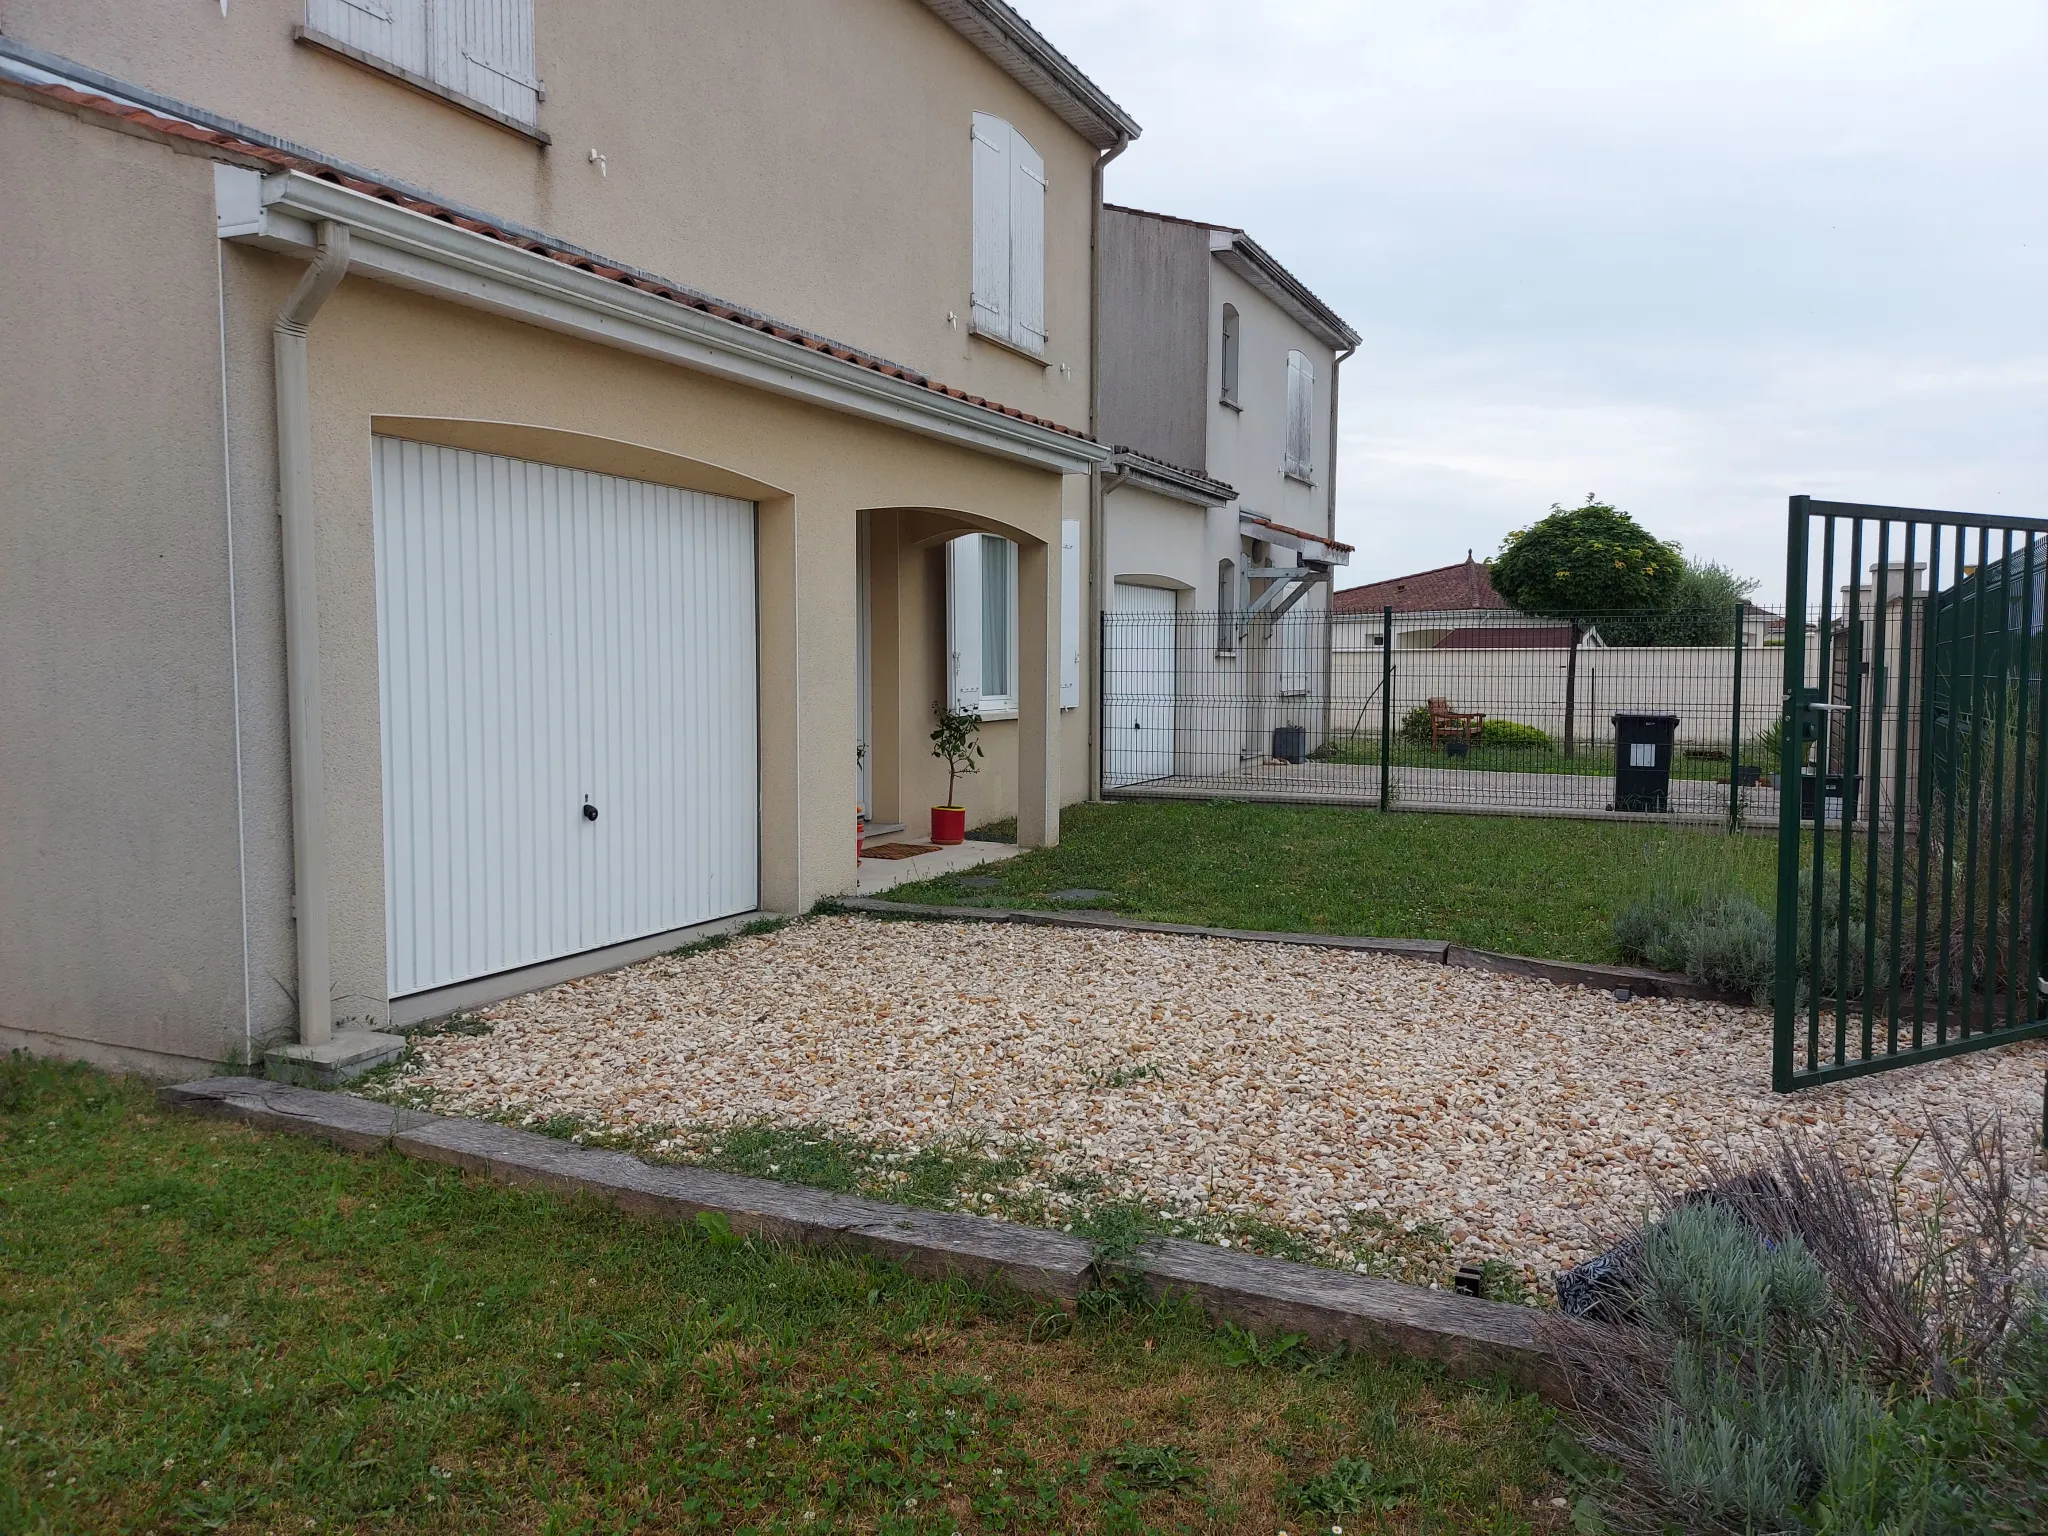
(1448, 724)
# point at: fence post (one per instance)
(1735, 727)
(1386, 705)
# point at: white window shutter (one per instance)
(991, 292)
(1301, 396)
(963, 621)
(394, 31)
(1027, 246)
(484, 49)
(1070, 614)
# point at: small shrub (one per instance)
(1510, 734)
(1514, 735)
(1721, 938)
(1794, 1350)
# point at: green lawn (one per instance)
(204, 1328)
(1524, 885)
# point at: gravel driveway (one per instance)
(1327, 1091)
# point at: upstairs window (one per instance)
(1301, 415)
(1229, 392)
(479, 50)
(1009, 237)
(981, 624)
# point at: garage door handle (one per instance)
(589, 811)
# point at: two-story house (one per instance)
(1219, 389)
(479, 471)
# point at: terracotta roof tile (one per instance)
(163, 126)
(1465, 585)
(1505, 637)
(1299, 533)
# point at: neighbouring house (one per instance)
(1219, 386)
(1428, 606)
(1455, 606)
(480, 472)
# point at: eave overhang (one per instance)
(278, 212)
(1021, 51)
(1256, 265)
(1171, 480)
(1311, 547)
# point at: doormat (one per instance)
(899, 850)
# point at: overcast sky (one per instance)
(1693, 255)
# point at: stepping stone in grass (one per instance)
(978, 882)
(1076, 895)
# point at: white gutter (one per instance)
(411, 250)
(302, 622)
(1098, 530)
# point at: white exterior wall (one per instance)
(1696, 683)
(1247, 446)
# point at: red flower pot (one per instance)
(949, 824)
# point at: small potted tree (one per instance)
(955, 743)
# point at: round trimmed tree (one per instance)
(1587, 565)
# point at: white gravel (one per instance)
(1318, 1089)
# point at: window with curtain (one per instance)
(1301, 411)
(981, 623)
(998, 619)
(1229, 391)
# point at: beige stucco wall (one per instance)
(126, 842)
(810, 158)
(121, 917)
(380, 352)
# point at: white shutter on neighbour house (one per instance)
(991, 296)
(1301, 400)
(963, 622)
(1070, 615)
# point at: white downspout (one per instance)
(1330, 587)
(302, 625)
(1098, 534)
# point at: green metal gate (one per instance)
(1913, 852)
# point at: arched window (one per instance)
(1229, 394)
(1226, 608)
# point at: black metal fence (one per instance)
(1911, 865)
(1474, 712)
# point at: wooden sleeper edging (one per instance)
(1466, 1336)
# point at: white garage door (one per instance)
(568, 674)
(1138, 685)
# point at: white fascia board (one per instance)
(411, 250)
(1250, 261)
